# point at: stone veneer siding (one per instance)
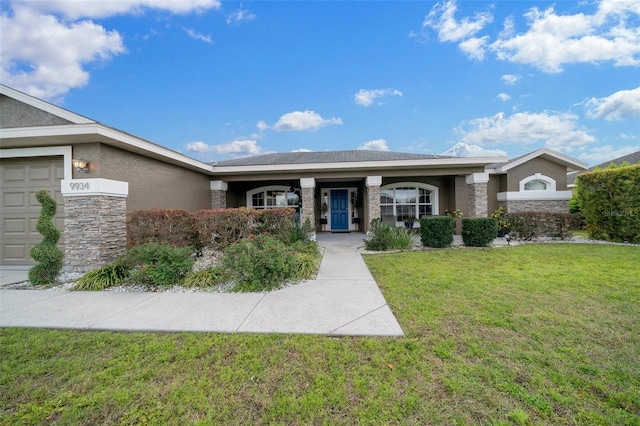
(518, 206)
(95, 231)
(373, 202)
(218, 199)
(308, 210)
(478, 204)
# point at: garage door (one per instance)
(20, 179)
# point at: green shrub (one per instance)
(210, 277)
(437, 231)
(166, 226)
(306, 265)
(610, 202)
(158, 264)
(299, 232)
(46, 252)
(105, 277)
(530, 225)
(479, 231)
(259, 263)
(382, 237)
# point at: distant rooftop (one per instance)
(316, 157)
(633, 158)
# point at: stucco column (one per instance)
(308, 210)
(373, 198)
(477, 184)
(95, 230)
(218, 194)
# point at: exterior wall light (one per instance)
(81, 165)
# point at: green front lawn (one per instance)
(534, 334)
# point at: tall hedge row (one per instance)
(610, 202)
(218, 228)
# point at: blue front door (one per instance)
(339, 209)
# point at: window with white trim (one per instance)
(538, 182)
(408, 201)
(271, 197)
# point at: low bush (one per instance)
(306, 265)
(105, 277)
(530, 225)
(222, 227)
(210, 277)
(382, 237)
(259, 263)
(158, 264)
(167, 226)
(479, 231)
(437, 231)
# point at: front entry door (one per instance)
(339, 209)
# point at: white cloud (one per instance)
(503, 96)
(618, 106)
(550, 40)
(302, 150)
(553, 40)
(103, 9)
(628, 136)
(302, 120)
(557, 131)
(366, 97)
(510, 79)
(375, 145)
(47, 45)
(602, 154)
(45, 57)
(262, 125)
(442, 20)
(238, 147)
(462, 149)
(239, 16)
(197, 36)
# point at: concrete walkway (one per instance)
(343, 300)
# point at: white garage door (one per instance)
(20, 179)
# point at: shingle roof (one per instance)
(324, 157)
(633, 158)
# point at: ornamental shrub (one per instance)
(479, 231)
(46, 252)
(610, 202)
(210, 277)
(158, 264)
(259, 263)
(437, 231)
(382, 237)
(107, 276)
(166, 226)
(220, 228)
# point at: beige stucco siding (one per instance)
(493, 187)
(537, 165)
(152, 183)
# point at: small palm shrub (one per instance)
(479, 231)
(46, 252)
(210, 277)
(259, 263)
(105, 277)
(437, 231)
(158, 264)
(382, 237)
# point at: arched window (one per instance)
(271, 197)
(538, 182)
(408, 200)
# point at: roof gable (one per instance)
(66, 115)
(571, 163)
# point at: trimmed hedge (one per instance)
(437, 231)
(530, 225)
(479, 231)
(46, 252)
(610, 202)
(218, 228)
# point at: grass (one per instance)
(528, 335)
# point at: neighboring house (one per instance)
(631, 159)
(98, 174)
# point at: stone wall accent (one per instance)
(478, 203)
(518, 206)
(218, 194)
(95, 231)
(373, 197)
(308, 210)
(218, 199)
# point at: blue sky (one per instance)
(218, 80)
